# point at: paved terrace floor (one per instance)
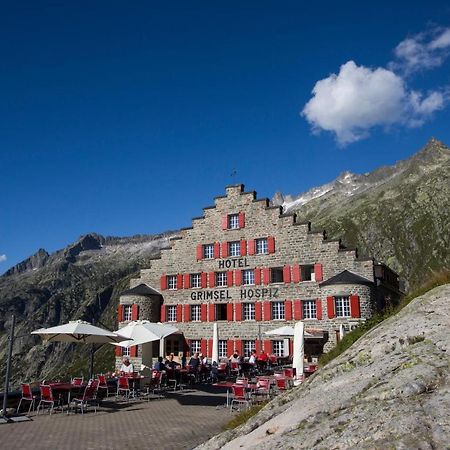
(182, 420)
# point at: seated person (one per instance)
(171, 363)
(253, 358)
(263, 357)
(194, 362)
(235, 358)
(126, 367)
(159, 365)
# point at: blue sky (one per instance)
(125, 118)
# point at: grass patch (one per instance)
(242, 417)
(437, 279)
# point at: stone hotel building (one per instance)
(250, 268)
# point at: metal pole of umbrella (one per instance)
(8, 366)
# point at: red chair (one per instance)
(289, 372)
(242, 381)
(234, 368)
(281, 384)
(222, 370)
(77, 381)
(89, 397)
(239, 396)
(28, 396)
(102, 384)
(46, 397)
(262, 390)
(123, 387)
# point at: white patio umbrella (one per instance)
(142, 331)
(299, 349)
(215, 344)
(285, 331)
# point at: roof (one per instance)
(346, 277)
(141, 289)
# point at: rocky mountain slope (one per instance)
(399, 214)
(391, 389)
(82, 281)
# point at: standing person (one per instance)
(263, 357)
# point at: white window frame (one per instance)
(248, 311)
(196, 313)
(127, 312)
(278, 312)
(195, 346)
(126, 351)
(172, 282)
(223, 348)
(248, 277)
(342, 306)
(234, 248)
(233, 222)
(221, 279)
(278, 348)
(248, 347)
(171, 311)
(261, 246)
(309, 309)
(208, 251)
(196, 280)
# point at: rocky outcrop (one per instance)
(391, 389)
(35, 261)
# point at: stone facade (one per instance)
(289, 271)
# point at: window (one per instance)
(249, 346)
(221, 279)
(127, 312)
(309, 309)
(278, 348)
(276, 275)
(261, 246)
(208, 251)
(223, 347)
(221, 311)
(342, 306)
(277, 310)
(126, 351)
(234, 248)
(195, 313)
(307, 272)
(196, 280)
(248, 310)
(195, 346)
(171, 313)
(248, 277)
(233, 221)
(172, 281)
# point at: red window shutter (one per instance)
(298, 310)
(319, 309)
(330, 307)
(251, 247)
(230, 347)
(288, 309)
(186, 313)
(210, 344)
(238, 312)
(268, 347)
(163, 313)
(230, 312)
(258, 311)
(267, 311)
(212, 279)
(238, 277)
(257, 276)
(241, 220)
(212, 312)
(120, 314)
(318, 272)
(179, 281)
(163, 282)
(287, 274)
(258, 346)
(118, 351)
(238, 346)
(199, 252)
(203, 346)
(133, 351)
(224, 249)
(186, 281)
(243, 248)
(216, 250)
(179, 313)
(203, 308)
(296, 273)
(266, 275)
(203, 277)
(134, 312)
(271, 244)
(225, 223)
(229, 278)
(354, 306)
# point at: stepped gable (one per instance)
(346, 277)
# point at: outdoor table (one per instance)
(64, 390)
(133, 380)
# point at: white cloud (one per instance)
(359, 98)
(3, 258)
